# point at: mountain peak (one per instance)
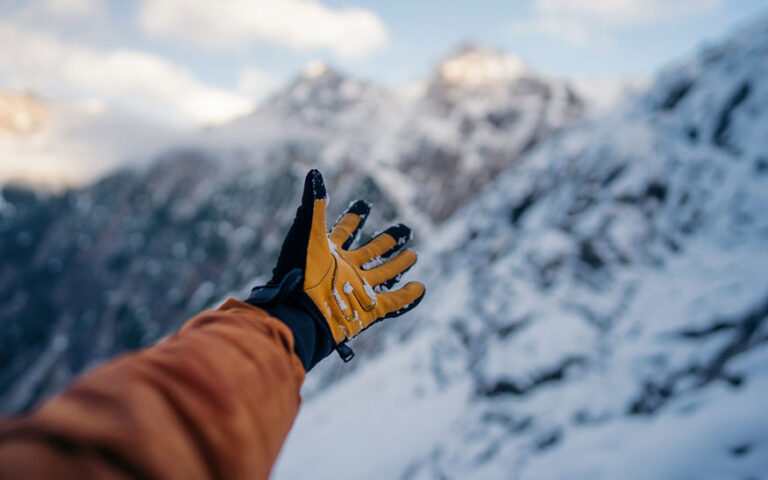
(320, 71)
(315, 69)
(473, 65)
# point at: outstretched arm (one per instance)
(215, 400)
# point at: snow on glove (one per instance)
(335, 284)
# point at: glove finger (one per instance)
(382, 246)
(390, 272)
(311, 211)
(349, 225)
(397, 302)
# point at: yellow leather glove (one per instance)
(345, 290)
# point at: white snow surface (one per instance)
(600, 311)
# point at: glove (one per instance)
(327, 293)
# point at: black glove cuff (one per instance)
(288, 303)
(310, 344)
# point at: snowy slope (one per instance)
(601, 311)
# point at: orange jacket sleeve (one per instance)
(215, 400)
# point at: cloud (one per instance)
(136, 80)
(298, 24)
(594, 23)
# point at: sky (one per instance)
(198, 62)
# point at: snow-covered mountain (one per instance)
(93, 271)
(321, 104)
(600, 311)
(482, 110)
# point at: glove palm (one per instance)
(338, 281)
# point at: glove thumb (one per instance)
(308, 224)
